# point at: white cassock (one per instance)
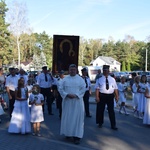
(72, 121)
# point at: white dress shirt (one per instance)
(88, 82)
(101, 85)
(12, 82)
(41, 81)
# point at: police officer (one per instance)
(45, 82)
(11, 85)
(106, 90)
(87, 92)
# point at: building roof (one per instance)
(107, 60)
(26, 63)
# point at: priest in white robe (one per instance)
(72, 90)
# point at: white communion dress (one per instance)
(36, 111)
(20, 120)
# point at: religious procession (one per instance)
(26, 97)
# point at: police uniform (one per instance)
(11, 85)
(87, 92)
(106, 85)
(45, 82)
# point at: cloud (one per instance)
(42, 19)
(134, 27)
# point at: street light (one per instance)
(145, 58)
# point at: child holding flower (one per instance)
(36, 100)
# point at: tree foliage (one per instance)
(5, 50)
(38, 47)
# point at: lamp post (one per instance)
(146, 60)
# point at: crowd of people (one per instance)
(26, 97)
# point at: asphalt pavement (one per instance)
(131, 135)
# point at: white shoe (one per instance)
(33, 134)
(38, 134)
(140, 117)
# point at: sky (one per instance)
(91, 19)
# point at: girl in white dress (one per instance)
(122, 88)
(146, 118)
(36, 100)
(142, 99)
(135, 87)
(20, 120)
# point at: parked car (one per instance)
(147, 73)
(128, 76)
(118, 75)
(112, 74)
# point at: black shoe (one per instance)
(68, 137)
(76, 140)
(50, 113)
(89, 116)
(100, 125)
(114, 128)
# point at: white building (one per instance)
(27, 66)
(103, 60)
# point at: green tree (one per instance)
(47, 46)
(123, 66)
(96, 45)
(27, 46)
(4, 35)
(82, 46)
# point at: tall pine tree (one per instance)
(4, 35)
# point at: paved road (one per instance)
(132, 135)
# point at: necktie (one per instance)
(107, 84)
(46, 77)
(86, 82)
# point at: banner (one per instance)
(65, 52)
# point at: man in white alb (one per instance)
(72, 89)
